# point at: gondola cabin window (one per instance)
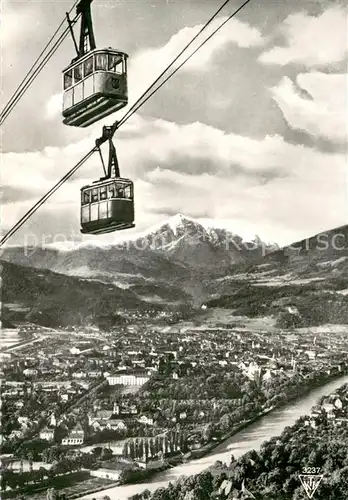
(128, 192)
(116, 64)
(94, 197)
(101, 62)
(78, 73)
(68, 79)
(88, 66)
(111, 191)
(119, 191)
(103, 193)
(85, 197)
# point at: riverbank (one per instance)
(201, 452)
(206, 456)
(204, 451)
(251, 438)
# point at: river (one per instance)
(250, 438)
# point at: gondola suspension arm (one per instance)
(86, 31)
(113, 165)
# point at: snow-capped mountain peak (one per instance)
(187, 240)
(174, 229)
(175, 224)
(178, 222)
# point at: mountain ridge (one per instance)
(174, 238)
(100, 283)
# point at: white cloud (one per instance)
(325, 113)
(235, 32)
(54, 106)
(148, 64)
(18, 23)
(311, 40)
(278, 190)
(11, 20)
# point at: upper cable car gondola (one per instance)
(95, 83)
(107, 205)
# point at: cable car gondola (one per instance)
(108, 204)
(95, 83)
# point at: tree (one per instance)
(225, 423)
(30, 458)
(97, 451)
(107, 454)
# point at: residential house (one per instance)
(95, 374)
(30, 372)
(75, 437)
(145, 420)
(79, 375)
(116, 425)
(329, 409)
(16, 434)
(106, 473)
(312, 421)
(338, 403)
(111, 470)
(98, 425)
(225, 487)
(126, 410)
(47, 434)
(341, 421)
(23, 421)
(100, 416)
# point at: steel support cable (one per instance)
(42, 200)
(125, 117)
(34, 75)
(115, 126)
(24, 85)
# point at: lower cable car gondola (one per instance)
(107, 205)
(95, 83)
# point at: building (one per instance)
(145, 420)
(100, 416)
(47, 434)
(151, 463)
(116, 425)
(106, 473)
(131, 379)
(338, 403)
(5, 356)
(75, 437)
(126, 410)
(30, 372)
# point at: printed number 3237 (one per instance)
(311, 470)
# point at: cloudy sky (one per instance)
(252, 133)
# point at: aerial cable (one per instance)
(24, 85)
(39, 203)
(125, 117)
(115, 126)
(5, 114)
